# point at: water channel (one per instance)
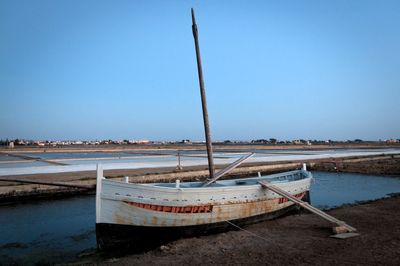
(60, 230)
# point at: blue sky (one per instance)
(74, 69)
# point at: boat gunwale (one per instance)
(153, 186)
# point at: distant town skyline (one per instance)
(16, 141)
(72, 70)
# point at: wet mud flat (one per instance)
(300, 239)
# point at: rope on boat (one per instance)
(247, 231)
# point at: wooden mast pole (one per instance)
(203, 99)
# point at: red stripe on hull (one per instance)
(299, 196)
(173, 209)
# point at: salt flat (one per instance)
(186, 161)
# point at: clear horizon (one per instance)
(199, 140)
(127, 70)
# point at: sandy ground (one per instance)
(300, 239)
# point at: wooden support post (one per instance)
(341, 227)
(99, 171)
(179, 166)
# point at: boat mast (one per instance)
(203, 99)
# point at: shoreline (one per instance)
(300, 239)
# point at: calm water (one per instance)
(60, 230)
(161, 155)
(47, 231)
(330, 190)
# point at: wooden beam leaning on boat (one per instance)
(227, 169)
(342, 230)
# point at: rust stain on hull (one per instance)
(173, 209)
(162, 215)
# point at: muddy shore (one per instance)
(388, 166)
(297, 239)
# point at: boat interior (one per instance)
(275, 178)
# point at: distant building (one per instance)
(11, 145)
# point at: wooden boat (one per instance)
(141, 216)
(130, 214)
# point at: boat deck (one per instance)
(275, 178)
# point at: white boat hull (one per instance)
(189, 209)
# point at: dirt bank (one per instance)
(384, 166)
(301, 239)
